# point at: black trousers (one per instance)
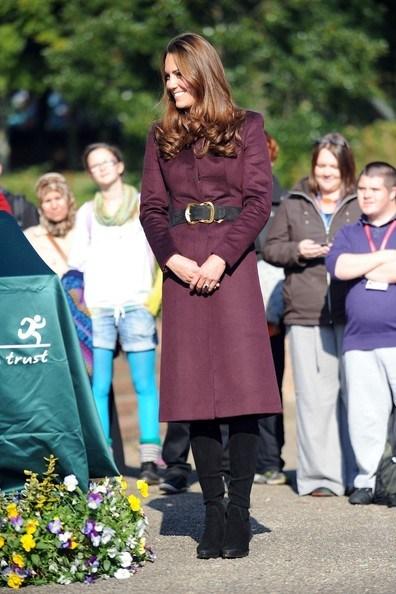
(175, 449)
(271, 427)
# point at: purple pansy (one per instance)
(89, 527)
(92, 530)
(65, 540)
(17, 522)
(93, 563)
(89, 579)
(94, 500)
(55, 526)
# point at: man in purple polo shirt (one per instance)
(364, 254)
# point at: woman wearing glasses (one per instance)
(206, 194)
(121, 293)
(299, 241)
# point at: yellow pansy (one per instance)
(2, 542)
(12, 510)
(73, 544)
(28, 542)
(143, 488)
(122, 482)
(134, 502)
(17, 559)
(141, 548)
(14, 581)
(31, 526)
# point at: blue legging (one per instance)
(142, 369)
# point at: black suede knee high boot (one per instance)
(207, 449)
(243, 447)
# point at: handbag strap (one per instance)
(57, 247)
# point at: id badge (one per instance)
(376, 285)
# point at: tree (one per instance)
(309, 71)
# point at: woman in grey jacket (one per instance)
(299, 241)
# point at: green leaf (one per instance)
(35, 559)
(106, 565)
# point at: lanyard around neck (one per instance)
(367, 230)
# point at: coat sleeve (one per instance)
(154, 205)
(279, 249)
(340, 245)
(257, 192)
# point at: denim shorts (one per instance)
(134, 327)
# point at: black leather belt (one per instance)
(204, 212)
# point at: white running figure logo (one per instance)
(35, 323)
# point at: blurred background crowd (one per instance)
(73, 74)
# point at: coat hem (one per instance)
(178, 419)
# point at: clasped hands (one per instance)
(202, 279)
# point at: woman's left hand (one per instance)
(207, 278)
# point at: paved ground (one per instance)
(301, 545)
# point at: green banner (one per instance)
(46, 403)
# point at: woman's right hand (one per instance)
(307, 248)
(183, 267)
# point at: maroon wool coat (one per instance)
(216, 357)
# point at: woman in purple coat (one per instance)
(206, 194)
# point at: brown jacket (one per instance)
(309, 298)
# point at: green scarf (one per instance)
(127, 210)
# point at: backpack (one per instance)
(385, 484)
(24, 211)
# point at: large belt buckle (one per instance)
(211, 217)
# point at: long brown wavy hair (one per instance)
(213, 118)
(339, 147)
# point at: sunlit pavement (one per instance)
(300, 545)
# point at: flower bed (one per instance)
(53, 532)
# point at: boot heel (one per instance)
(211, 543)
(237, 533)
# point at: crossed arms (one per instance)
(377, 266)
